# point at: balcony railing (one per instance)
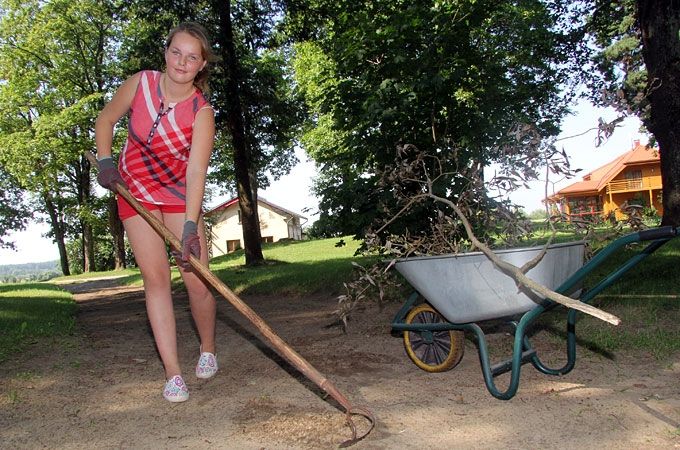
(633, 184)
(585, 213)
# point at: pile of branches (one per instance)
(450, 196)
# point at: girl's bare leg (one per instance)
(201, 300)
(151, 256)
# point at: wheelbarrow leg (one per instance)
(514, 365)
(522, 353)
(571, 350)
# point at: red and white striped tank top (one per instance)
(154, 159)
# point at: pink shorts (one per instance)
(125, 211)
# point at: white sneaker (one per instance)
(206, 366)
(175, 390)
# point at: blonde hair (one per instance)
(199, 32)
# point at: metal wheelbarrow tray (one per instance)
(462, 290)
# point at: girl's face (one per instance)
(184, 58)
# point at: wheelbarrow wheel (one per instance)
(432, 351)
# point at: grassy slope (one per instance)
(33, 310)
(646, 299)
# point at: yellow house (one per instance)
(226, 233)
(634, 177)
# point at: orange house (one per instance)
(634, 177)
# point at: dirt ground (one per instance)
(102, 389)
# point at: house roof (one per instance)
(234, 201)
(596, 180)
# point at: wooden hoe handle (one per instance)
(279, 344)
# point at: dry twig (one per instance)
(412, 184)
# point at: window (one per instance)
(585, 205)
(233, 245)
(634, 179)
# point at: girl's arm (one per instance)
(111, 114)
(201, 147)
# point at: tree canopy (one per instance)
(55, 67)
(443, 76)
(638, 61)
(13, 213)
(61, 60)
(468, 82)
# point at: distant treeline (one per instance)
(15, 273)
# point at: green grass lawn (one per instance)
(33, 310)
(29, 311)
(87, 275)
(291, 268)
(646, 299)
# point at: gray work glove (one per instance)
(191, 245)
(108, 174)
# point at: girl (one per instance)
(164, 164)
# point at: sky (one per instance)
(292, 191)
(582, 151)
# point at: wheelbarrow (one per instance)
(464, 290)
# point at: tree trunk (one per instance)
(84, 200)
(117, 233)
(58, 230)
(88, 247)
(659, 22)
(235, 123)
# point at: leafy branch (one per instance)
(422, 182)
(517, 273)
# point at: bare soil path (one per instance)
(102, 389)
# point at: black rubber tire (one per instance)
(440, 350)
